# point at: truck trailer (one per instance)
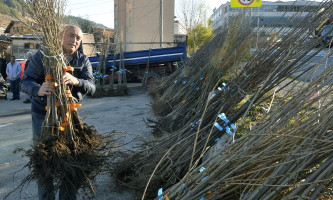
(146, 65)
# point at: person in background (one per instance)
(81, 82)
(3, 68)
(29, 55)
(3, 88)
(14, 71)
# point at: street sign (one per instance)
(245, 3)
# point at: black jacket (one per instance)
(34, 76)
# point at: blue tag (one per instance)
(175, 81)
(203, 178)
(233, 126)
(202, 198)
(218, 126)
(184, 82)
(217, 139)
(201, 78)
(202, 169)
(160, 192)
(224, 84)
(197, 88)
(192, 84)
(228, 130)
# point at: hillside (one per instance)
(13, 10)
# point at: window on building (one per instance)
(15, 29)
(29, 45)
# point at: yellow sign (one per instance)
(245, 3)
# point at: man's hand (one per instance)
(69, 79)
(46, 89)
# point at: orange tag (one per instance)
(64, 124)
(54, 84)
(184, 101)
(48, 78)
(73, 106)
(46, 107)
(166, 197)
(61, 128)
(68, 68)
(206, 78)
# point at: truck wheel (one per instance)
(151, 79)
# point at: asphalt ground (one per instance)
(125, 113)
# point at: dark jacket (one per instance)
(34, 76)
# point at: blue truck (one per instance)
(146, 65)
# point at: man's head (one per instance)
(12, 59)
(72, 39)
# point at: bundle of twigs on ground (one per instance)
(178, 103)
(227, 97)
(69, 151)
(287, 155)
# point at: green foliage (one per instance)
(4, 9)
(86, 25)
(198, 36)
(14, 8)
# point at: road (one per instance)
(106, 114)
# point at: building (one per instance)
(137, 23)
(17, 27)
(270, 14)
(22, 44)
(180, 32)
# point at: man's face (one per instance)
(12, 59)
(72, 39)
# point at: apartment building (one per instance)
(138, 23)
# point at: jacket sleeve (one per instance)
(33, 76)
(86, 79)
(19, 70)
(7, 70)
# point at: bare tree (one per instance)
(192, 13)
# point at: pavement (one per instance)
(125, 113)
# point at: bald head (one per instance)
(72, 39)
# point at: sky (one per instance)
(101, 11)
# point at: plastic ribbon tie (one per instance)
(175, 81)
(218, 126)
(68, 68)
(184, 101)
(223, 117)
(184, 82)
(228, 130)
(192, 84)
(48, 78)
(197, 88)
(159, 193)
(202, 169)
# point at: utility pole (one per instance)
(161, 23)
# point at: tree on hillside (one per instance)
(193, 13)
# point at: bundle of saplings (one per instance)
(69, 152)
(286, 155)
(212, 101)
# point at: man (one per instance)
(29, 55)
(81, 82)
(14, 71)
